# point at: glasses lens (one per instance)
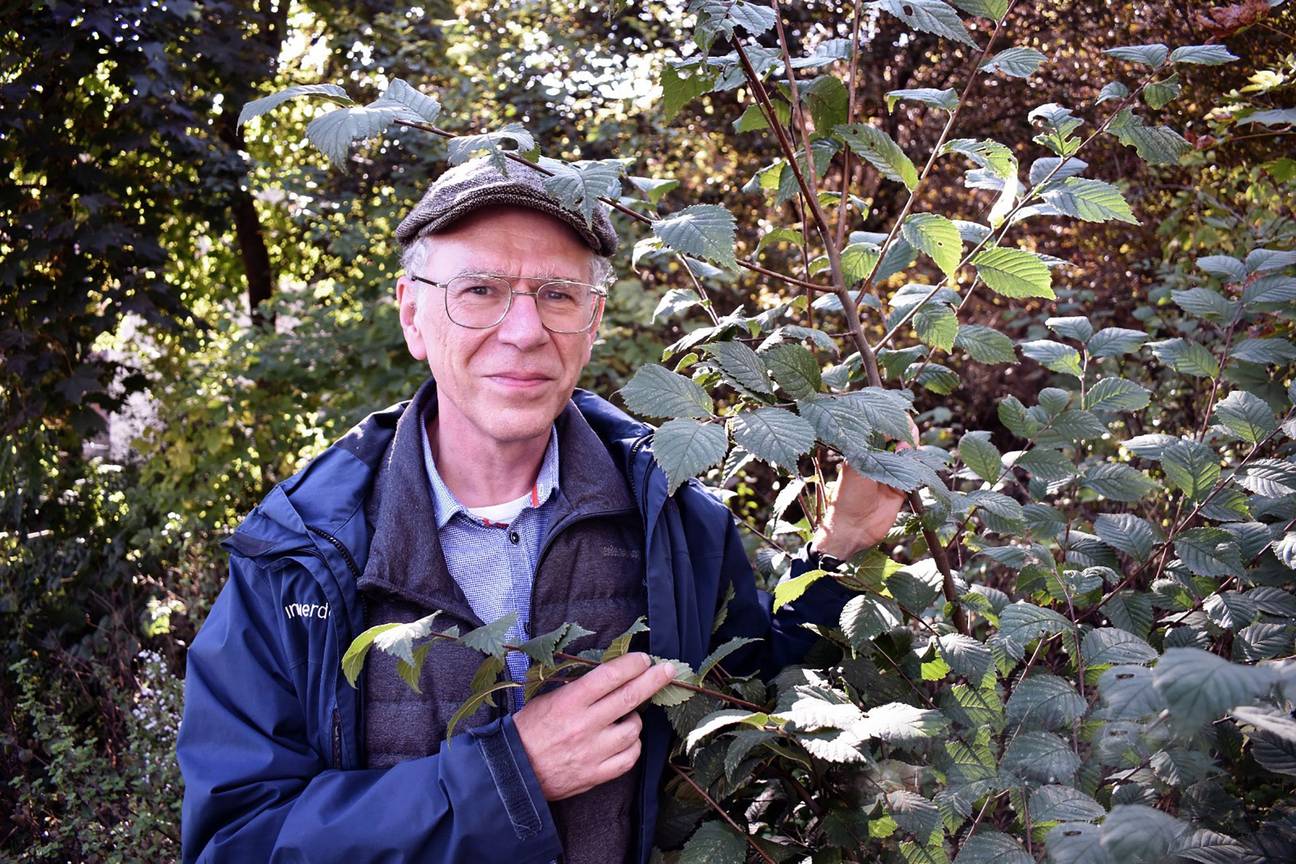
(477, 301)
(565, 307)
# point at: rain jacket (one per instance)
(270, 744)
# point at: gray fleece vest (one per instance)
(590, 572)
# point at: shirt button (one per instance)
(515, 538)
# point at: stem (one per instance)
(716, 807)
(843, 206)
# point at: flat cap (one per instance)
(477, 183)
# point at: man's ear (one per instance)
(407, 295)
(598, 319)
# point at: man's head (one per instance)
(508, 382)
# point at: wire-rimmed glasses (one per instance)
(480, 301)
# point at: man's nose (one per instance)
(522, 327)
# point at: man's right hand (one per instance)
(587, 732)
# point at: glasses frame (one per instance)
(598, 291)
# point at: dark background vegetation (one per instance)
(189, 310)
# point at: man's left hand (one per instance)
(860, 511)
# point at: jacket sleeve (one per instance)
(256, 790)
(784, 639)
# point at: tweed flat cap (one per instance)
(477, 183)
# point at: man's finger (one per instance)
(597, 684)
(632, 694)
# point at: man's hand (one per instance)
(860, 511)
(587, 732)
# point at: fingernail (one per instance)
(670, 669)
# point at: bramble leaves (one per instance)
(876, 147)
(702, 230)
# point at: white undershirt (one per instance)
(501, 514)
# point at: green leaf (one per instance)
(794, 368)
(857, 262)
(992, 847)
(1130, 534)
(1090, 201)
(1116, 394)
(1046, 464)
(1040, 756)
(718, 655)
(1014, 273)
(987, 154)
(773, 435)
(353, 659)
(1266, 352)
(475, 701)
(541, 648)
(653, 188)
(620, 646)
(1186, 356)
(847, 420)
(422, 106)
(1112, 92)
(1191, 467)
(901, 471)
(1075, 327)
(865, 617)
(1209, 552)
(490, 638)
(1063, 804)
(334, 133)
(1156, 145)
(1139, 834)
(936, 325)
(1115, 341)
(462, 148)
(876, 147)
(898, 723)
(1267, 290)
(1149, 55)
(714, 843)
(1012, 413)
(1205, 303)
(703, 230)
(828, 101)
(790, 589)
(985, 344)
(742, 364)
(1272, 478)
(1161, 93)
(396, 640)
(577, 186)
(331, 92)
(1023, 623)
(1119, 482)
(686, 448)
(946, 99)
(914, 814)
(936, 236)
(981, 456)
(655, 391)
(1110, 646)
(1228, 268)
(992, 9)
(1276, 117)
(1206, 55)
(1015, 62)
(1044, 701)
(1052, 355)
(1200, 687)
(929, 16)
(679, 89)
(966, 656)
(1245, 415)
(1076, 843)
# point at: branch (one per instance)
(716, 807)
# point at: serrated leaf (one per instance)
(1015, 62)
(1130, 534)
(1063, 804)
(865, 617)
(619, 646)
(938, 237)
(1266, 352)
(1044, 701)
(1272, 478)
(353, 659)
(1055, 169)
(1156, 145)
(1191, 467)
(1119, 482)
(1205, 303)
(1040, 756)
(1052, 355)
(1076, 843)
(914, 814)
(794, 368)
(1209, 552)
(1186, 356)
(577, 186)
(929, 16)
(903, 471)
(773, 435)
(1115, 341)
(490, 638)
(985, 344)
(714, 843)
(876, 147)
(686, 448)
(847, 420)
(1023, 623)
(986, 153)
(717, 721)
(790, 589)
(1246, 415)
(937, 326)
(966, 656)
(1224, 266)
(992, 847)
(1112, 646)
(742, 364)
(1138, 834)
(331, 92)
(1149, 55)
(703, 230)
(462, 148)
(334, 133)
(1206, 55)
(716, 657)
(979, 454)
(1199, 686)
(423, 106)
(1090, 201)
(1046, 464)
(655, 391)
(946, 99)
(898, 723)
(678, 89)
(1014, 273)
(1116, 394)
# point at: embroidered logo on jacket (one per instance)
(306, 610)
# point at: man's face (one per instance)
(510, 382)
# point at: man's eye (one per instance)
(477, 289)
(558, 295)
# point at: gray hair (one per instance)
(415, 255)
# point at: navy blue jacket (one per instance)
(270, 743)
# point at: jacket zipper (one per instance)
(337, 738)
(340, 547)
(355, 574)
(634, 491)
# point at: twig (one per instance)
(716, 807)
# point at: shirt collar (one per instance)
(446, 505)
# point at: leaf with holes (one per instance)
(929, 16)
(936, 236)
(1015, 62)
(876, 147)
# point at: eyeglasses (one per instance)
(480, 301)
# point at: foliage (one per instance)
(1078, 649)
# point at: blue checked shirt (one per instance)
(495, 566)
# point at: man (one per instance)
(498, 488)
